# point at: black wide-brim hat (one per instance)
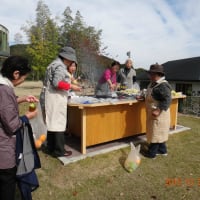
(156, 68)
(68, 53)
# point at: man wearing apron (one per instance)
(158, 100)
(127, 76)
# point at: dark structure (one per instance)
(183, 70)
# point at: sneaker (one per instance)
(162, 154)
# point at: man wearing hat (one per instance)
(158, 100)
(53, 99)
(127, 76)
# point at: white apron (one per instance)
(157, 127)
(56, 109)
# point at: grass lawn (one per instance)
(103, 177)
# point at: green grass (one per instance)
(103, 177)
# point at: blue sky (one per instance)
(153, 30)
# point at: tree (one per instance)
(84, 39)
(46, 38)
(18, 38)
(67, 22)
(43, 37)
(19, 49)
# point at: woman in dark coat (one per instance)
(14, 71)
(158, 100)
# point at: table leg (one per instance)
(83, 132)
(174, 115)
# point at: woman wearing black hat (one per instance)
(158, 99)
(54, 98)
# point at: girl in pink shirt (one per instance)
(108, 81)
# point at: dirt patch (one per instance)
(34, 88)
(29, 87)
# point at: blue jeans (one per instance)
(155, 148)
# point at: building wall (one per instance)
(195, 87)
(173, 85)
(4, 46)
(188, 88)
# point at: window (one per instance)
(184, 88)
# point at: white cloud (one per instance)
(154, 31)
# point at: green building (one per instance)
(4, 46)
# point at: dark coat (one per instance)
(162, 93)
(27, 161)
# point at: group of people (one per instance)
(157, 99)
(59, 80)
(116, 78)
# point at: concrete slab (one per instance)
(73, 144)
(179, 128)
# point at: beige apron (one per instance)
(157, 127)
(56, 109)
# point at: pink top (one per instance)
(108, 74)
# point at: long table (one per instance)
(103, 122)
